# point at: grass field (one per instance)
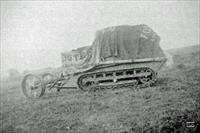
(175, 97)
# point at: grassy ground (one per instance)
(175, 96)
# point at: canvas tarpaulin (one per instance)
(117, 43)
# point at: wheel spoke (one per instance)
(32, 86)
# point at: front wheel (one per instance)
(49, 80)
(32, 86)
(48, 77)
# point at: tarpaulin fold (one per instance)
(116, 43)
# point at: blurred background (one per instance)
(33, 34)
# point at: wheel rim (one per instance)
(32, 86)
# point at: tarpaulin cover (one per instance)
(116, 43)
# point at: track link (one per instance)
(134, 78)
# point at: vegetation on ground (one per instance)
(174, 98)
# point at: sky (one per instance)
(33, 34)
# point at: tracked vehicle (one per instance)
(121, 56)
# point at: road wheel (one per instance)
(145, 80)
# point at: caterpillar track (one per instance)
(119, 56)
(135, 77)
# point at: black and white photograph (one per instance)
(100, 66)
